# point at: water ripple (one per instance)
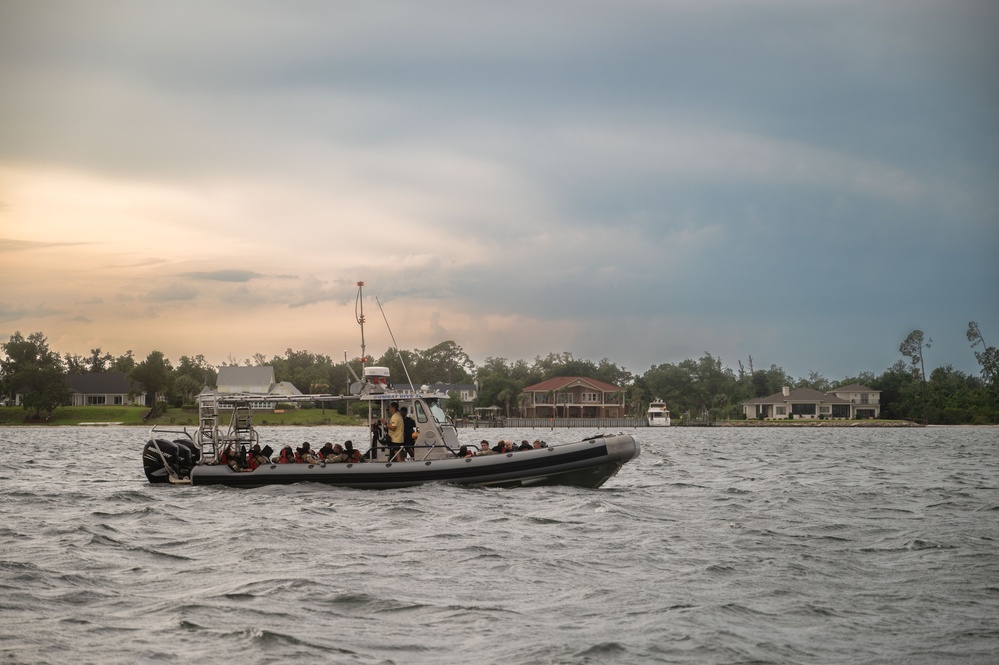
(715, 546)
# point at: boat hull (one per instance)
(588, 463)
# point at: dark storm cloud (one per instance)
(805, 180)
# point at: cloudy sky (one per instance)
(800, 182)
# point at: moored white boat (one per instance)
(657, 414)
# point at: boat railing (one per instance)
(169, 429)
(213, 438)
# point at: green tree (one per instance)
(912, 348)
(498, 385)
(454, 406)
(899, 392)
(988, 357)
(190, 377)
(156, 375)
(815, 381)
(760, 386)
(563, 364)
(75, 364)
(30, 369)
(99, 362)
(124, 363)
(443, 363)
(609, 372)
(185, 388)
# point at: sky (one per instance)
(802, 183)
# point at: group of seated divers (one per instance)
(500, 448)
(239, 459)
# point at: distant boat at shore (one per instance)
(658, 414)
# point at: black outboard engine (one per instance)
(180, 456)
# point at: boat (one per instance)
(658, 414)
(203, 456)
(196, 458)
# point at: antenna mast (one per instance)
(359, 315)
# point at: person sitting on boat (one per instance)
(524, 445)
(336, 455)
(257, 457)
(228, 457)
(307, 456)
(537, 444)
(287, 456)
(501, 447)
(353, 456)
(465, 452)
(484, 448)
(326, 450)
(233, 459)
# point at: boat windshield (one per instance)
(437, 412)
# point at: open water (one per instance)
(715, 546)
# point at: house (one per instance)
(866, 402)
(467, 393)
(853, 401)
(105, 389)
(572, 397)
(285, 389)
(233, 379)
(254, 380)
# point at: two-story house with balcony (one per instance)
(572, 397)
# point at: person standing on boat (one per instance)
(397, 432)
(408, 431)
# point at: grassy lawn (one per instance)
(132, 415)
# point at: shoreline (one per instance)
(871, 424)
(877, 424)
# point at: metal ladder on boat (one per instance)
(208, 433)
(241, 430)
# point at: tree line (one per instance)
(704, 388)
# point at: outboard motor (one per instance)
(180, 455)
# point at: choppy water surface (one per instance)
(715, 546)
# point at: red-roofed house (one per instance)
(573, 397)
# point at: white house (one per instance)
(852, 401)
(105, 389)
(258, 380)
(254, 380)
